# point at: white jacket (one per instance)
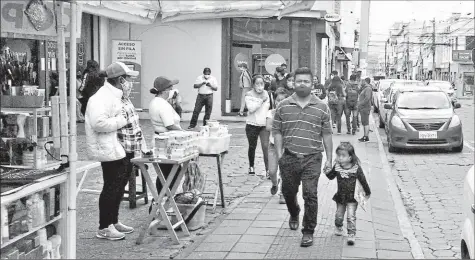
(103, 119)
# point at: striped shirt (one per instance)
(130, 136)
(302, 128)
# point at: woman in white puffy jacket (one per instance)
(105, 115)
(258, 104)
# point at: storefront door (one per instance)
(240, 53)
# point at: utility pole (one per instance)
(385, 58)
(433, 49)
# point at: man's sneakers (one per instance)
(251, 171)
(339, 231)
(110, 233)
(123, 228)
(307, 240)
(294, 223)
(191, 127)
(351, 239)
(364, 139)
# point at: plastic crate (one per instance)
(214, 145)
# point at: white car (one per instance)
(446, 87)
(468, 237)
(382, 85)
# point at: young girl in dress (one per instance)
(347, 171)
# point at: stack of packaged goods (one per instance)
(29, 227)
(176, 145)
(214, 138)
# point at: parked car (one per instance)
(467, 246)
(378, 90)
(446, 86)
(423, 118)
(388, 95)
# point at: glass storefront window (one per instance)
(257, 30)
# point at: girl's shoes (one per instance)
(275, 188)
(251, 171)
(281, 199)
(351, 240)
(339, 231)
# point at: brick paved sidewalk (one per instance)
(258, 227)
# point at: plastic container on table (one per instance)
(214, 145)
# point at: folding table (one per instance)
(159, 211)
(219, 188)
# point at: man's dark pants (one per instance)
(207, 102)
(351, 115)
(294, 170)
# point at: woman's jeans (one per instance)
(350, 209)
(253, 133)
(116, 176)
(336, 113)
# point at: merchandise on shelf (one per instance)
(35, 246)
(215, 138)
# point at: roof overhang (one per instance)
(137, 12)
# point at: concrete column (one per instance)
(364, 33)
(104, 44)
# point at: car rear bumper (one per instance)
(409, 139)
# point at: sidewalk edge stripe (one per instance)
(404, 222)
(469, 146)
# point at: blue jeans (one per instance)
(336, 113)
(293, 171)
(350, 209)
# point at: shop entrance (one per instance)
(261, 58)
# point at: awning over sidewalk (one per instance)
(342, 55)
(138, 12)
(194, 10)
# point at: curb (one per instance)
(404, 222)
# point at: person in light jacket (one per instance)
(105, 116)
(364, 107)
(245, 84)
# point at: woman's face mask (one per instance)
(290, 83)
(126, 87)
(259, 86)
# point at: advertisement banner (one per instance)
(130, 53)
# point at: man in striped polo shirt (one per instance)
(302, 131)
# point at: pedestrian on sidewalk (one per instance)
(347, 170)
(364, 107)
(290, 83)
(206, 85)
(273, 160)
(245, 84)
(319, 89)
(302, 131)
(351, 109)
(174, 98)
(258, 104)
(336, 101)
(106, 115)
(279, 81)
(93, 79)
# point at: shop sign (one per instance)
(130, 53)
(240, 59)
(462, 55)
(15, 20)
(332, 18)
(274, 61)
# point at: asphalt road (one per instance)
(431, 185)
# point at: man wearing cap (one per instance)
(284, 66)
(113, 135)
(206, 85)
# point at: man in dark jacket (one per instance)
(336, 100)
(280, 81)
(364, 107)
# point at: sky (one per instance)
(383, 14)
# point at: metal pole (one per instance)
(433, 49)
(71, 246)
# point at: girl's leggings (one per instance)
(253, 133)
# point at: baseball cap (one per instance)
(161, 83)
(118, 68)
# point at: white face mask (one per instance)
(126, 88)
(206, 76)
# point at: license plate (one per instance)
(428, 135)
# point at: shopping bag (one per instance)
(360, 195)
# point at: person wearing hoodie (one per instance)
(351, 109)
(336, 100)
(364, 107)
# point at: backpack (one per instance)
(332, 97)
(352, 96)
